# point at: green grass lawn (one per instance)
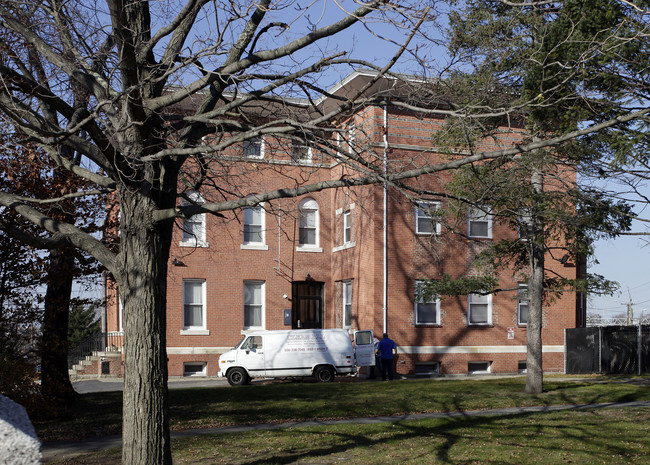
(595, 436)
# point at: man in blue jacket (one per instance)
(386, 349)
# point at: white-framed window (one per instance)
(347, 227)
(480, 222)
(194, 368)
(194, 306)
(427, 310)
(351, 135)
(120, 314)
(479, 309)
(253, 304)
(522, 304)
(347, 303)
(425, 218)
(308, 226)
(477, 368)
(253, 148)
(344, 234)
(194, 226)
(301, 152)
(254, 227)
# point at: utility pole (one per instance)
(630, 310)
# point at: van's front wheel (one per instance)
(237, 377)
(324, 374)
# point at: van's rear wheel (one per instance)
(238, 377)
(324, 374)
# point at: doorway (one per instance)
(307, 307)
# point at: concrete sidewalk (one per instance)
(61, 450)
(86, 385)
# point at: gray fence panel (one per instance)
(620, 350)
(582, 350)
(608, 349)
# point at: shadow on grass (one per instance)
(556, 437)
(100, 414)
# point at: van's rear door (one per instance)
(364, 348)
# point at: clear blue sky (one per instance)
(624, 259)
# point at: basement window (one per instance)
(427, 369)
(194, 369)
(521, 368)
(477, 368)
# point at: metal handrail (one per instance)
(98, 342)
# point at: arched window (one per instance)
(308, 225)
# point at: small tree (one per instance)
(60, 266)
(21, 271)
(84, 323)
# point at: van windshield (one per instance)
(240, 342)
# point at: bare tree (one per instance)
(144, 100)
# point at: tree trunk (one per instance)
(144, 251)
(536, 250)
(56, 387)
(534, 370)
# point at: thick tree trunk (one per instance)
(56, 387)
(534, 370)
(536, 250)
(143, 285)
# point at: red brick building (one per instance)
(349, 258)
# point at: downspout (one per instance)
(385, 234)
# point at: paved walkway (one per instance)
(61, 450)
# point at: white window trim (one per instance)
(347, 226)
(418, 208)
(351, 135)
(489, 311)
(120, 312)
(193, 241)
(338, 144)
(263, 304)
(262, 150)
(196, 330)
(256, 245)
(308, 248)
(346, 291)
(351, 243)
(521, 287)
(417, 301)
(311, 205)
(338, 248)
(479, 214)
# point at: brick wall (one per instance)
(224, 265)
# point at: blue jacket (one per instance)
(386, 347)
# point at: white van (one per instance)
(322, 353)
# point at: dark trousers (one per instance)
(387, 368)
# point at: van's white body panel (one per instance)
(289, 353)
